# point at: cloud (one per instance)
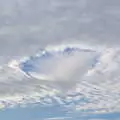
(89, 82)
(70, 86)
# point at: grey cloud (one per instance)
(27, 25)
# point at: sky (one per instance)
(37, 38)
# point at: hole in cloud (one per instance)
(65, 65)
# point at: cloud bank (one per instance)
(70, 74)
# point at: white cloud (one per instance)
(71, 86)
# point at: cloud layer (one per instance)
(86, 77)
(86, 81)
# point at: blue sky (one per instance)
(36, 113)
(52, 113)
